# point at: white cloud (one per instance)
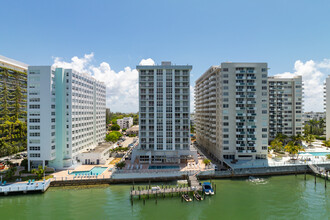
(147, 62)
(122, 86)
(313, 76)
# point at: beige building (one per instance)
(231, 111)
(285, 106)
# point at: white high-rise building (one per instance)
(285, 106)
(327, 106)
(66, 115)
(126, 122)
(164, 109)
(231, 111)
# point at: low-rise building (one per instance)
(317, 116)
(133, 130)
(126, 122)
(98, 155)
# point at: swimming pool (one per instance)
(93, 171)
(153, 167)
(316, 153)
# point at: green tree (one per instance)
(11, 172)
(24, 164)
(309, 139)
(120, 165)
(281, 137)
(113, 136)
(293, 149)
(326, 143)
(206, 162)
(276, 145)
(39, 172)
(115, 127)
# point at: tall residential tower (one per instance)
(164, 109)
(231, 111)
(66, 115)
(285, 106)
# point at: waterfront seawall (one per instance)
(259, 171)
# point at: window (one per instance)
(225, 69)
(34, 127)
(34, 155)
(34, 120)
(34, 106)
(264, 70)
(33, 148)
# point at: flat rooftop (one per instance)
(100, 148)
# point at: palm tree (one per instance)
(281, 137)
(276, 145)
(313, 123)
(326, 143)
(309, 139)
(293, 149)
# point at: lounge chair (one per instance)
(29, 182)
(32, 182)
(4, 183)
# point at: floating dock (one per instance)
(24, 188)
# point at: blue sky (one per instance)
(200, 33)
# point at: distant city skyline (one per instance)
(109, 38)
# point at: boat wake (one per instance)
(256, 180)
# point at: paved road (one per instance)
(8, 157)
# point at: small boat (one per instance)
(197, 196)
(207, 188)
(186, 197)
(255, 179)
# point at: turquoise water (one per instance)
(316, 153)
(278, 197)
(153, 167)
(95, 170)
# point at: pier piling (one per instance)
(315, 179)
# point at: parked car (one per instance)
(17, 156)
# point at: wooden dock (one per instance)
(162, 192)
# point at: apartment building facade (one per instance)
(317, 116)
(327, 106)
(206, 100)
(66, 115)
(285, 106)
(126, 122)
(164, 114)
(231, 111)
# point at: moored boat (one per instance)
(197, 196)
(186, 198)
